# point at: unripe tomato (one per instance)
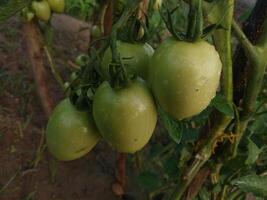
(184, 76)
(70, 134)
(127, 117)
(96, 32)
(73, 76)
(26, 14)
(29, 16)
(135, 57)
(82, 59)
(57, 5)
(42, 10)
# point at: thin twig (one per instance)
(53, 69)
(10, 181)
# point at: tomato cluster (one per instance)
(42, 9)
(180, 77)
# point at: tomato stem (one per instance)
(195, 16)
(256, 55)
(118, 72)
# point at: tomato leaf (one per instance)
(252, 183)
(171, 167)
(174, 128)
(220, 103)
(148, 180)
(204, 194)
(253, 152)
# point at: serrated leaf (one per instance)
(253, 152)
(220, 103)
(148, 180)
(252, 183)
(174, 128)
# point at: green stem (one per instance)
(223, 192)
(243, 38)
(200, 159)
(256, 55)
(118, 73)
(222, 40)
(161, 190)
(195, 25)
(234, 195)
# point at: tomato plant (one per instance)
(205, 82)
(70, 134)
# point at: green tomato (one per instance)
(42, 10)
(136, 58)
(57, 5)
(27, 15)
(70, 134)
(82, 59)
(184, 76)
(96, 32)
(127, 117)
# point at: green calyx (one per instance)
(117, 71)
(195, 24)
(118, 74)
(195, 28)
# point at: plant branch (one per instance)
(222, 39)
(34, 50)
(257, 64)
(246, 44)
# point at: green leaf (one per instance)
(252, 183)
(171, 167)
(220, 103)
(11, 7)
(259, 198)
(253, 152)
(148, 180)
(174, 128)
(204, 194)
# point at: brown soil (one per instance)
(27, 173)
